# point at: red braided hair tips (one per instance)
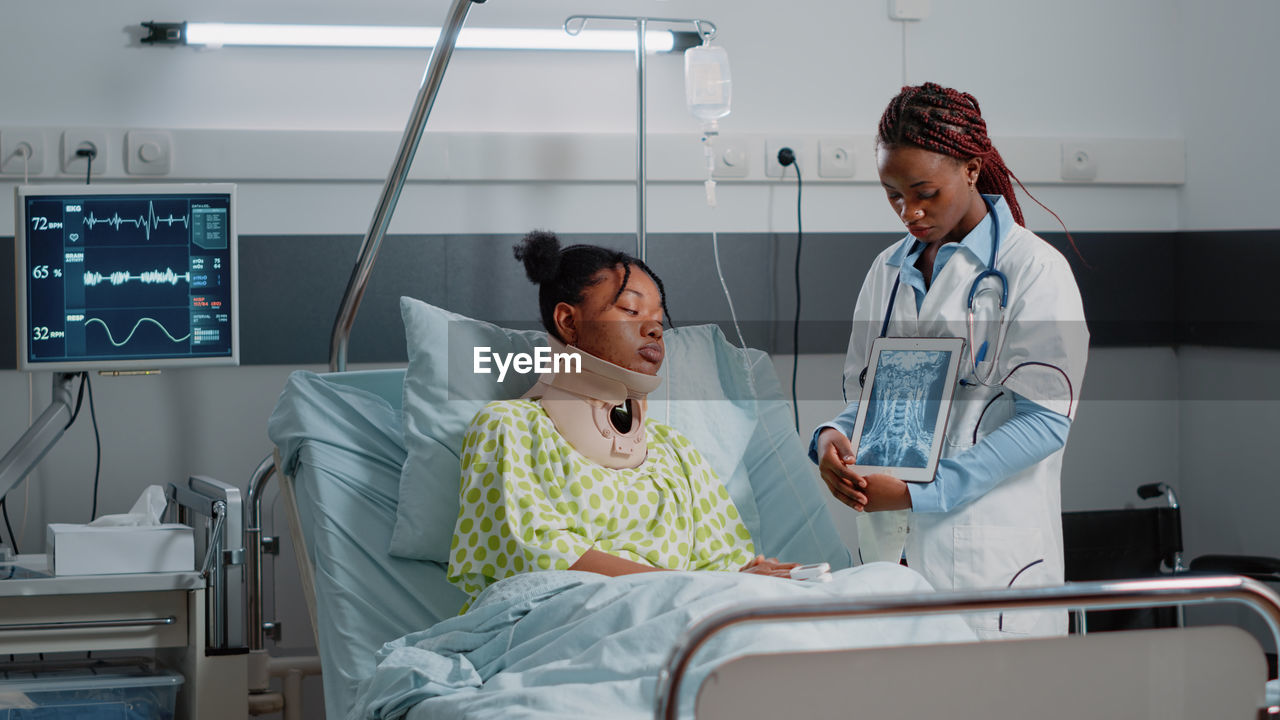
(948, 122)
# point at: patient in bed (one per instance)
(573, 476)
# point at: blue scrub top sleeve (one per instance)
(1031, 435)
(844, 422)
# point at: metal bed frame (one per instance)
(1187, 590)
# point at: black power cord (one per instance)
(13, 539)
(787, 156)
(89, 153)
(85, 383)
(97, 449)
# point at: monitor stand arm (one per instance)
(43, 434)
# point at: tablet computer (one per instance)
(905, 403)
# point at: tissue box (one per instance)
(85, 550)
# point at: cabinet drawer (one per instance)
(108, 621)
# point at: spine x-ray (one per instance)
(906, 396)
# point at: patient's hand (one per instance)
(835, 465)
(762, 565)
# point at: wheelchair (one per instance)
(1143, 542)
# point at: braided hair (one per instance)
(948, 122)
(562, 274)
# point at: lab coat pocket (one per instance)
(988, 556)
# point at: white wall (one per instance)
(810, 67)
(1227, 51)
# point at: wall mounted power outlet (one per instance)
(22, 151)
(732, 158)
(148, 152)
(1079, 162)
(835, 157)
(73, 140)
(774, 169)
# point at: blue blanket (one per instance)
(579, 645)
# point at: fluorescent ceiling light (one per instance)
(388, 36)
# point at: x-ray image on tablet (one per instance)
(905, 403)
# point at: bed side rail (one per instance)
(1110, 595)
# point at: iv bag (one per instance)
(707, 83)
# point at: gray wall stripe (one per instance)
(1139, 289)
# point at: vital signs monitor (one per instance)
(126, 277)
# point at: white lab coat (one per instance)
(996, 540)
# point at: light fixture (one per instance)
(215, 34)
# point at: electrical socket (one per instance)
(774, 169)
(1079, 162)
(73, 140)
(835, 157)
(732, 158)
(148, 152)
(12, 142)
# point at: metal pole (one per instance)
(641, 179)
(43, 434)
(706, 30)
(431, 80)
(1109, 595)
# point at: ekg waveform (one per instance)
(146, 277)
(111, 338)
(143, 222)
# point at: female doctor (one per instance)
(967, 268)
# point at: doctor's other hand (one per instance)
(762, 565)
(835, 465)
(885, 492)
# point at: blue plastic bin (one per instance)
(97, 691)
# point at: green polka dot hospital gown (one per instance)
(529, 502)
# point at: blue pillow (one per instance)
(727, 401)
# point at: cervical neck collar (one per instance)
(580, 406)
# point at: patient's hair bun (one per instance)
(540, 253)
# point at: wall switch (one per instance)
(1079, 162)
(21, 151)
(732, 158)
(73, 140)
(148, 152)
(835, 157)
(772, 168)
(908, 9)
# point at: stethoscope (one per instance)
(980, 354)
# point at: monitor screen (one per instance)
(126, 277)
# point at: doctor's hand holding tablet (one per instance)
(964, 366)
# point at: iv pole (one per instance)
(575, 24)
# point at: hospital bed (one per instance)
(341, 448)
